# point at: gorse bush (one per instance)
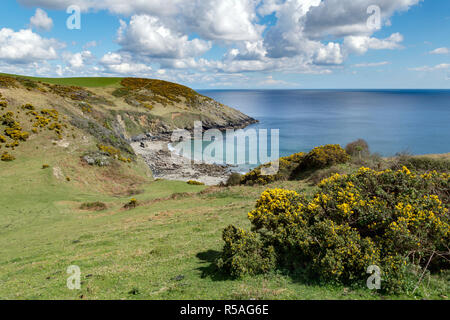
(325, 156)
(290, 168)
(7, 157)
(234, 179)
(286, 166)
(245, 254)
(195, 183)
(396, 220)
(132, 204)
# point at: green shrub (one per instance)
(287, 165)
(195, 183)
(358, 148)
(7, 157)
(234, 179)
(132, 204)
(245, 254)
(325, 156)
(422, 163)
(93, 206)
(396, 220)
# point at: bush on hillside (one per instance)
(325, 156)
(7, 157)
(234, 179)
(421, 164)
(358, 148)
(396, 220)
(286, 166)
(93, 206)
(132, 204)
(195, 183)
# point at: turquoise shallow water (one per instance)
(391, 121)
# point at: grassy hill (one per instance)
(58, 210)
(88, 82)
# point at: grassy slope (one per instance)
(140, 250)
(81, 82)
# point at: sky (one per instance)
(233, 44)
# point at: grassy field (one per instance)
(91, 82)
(163, 249)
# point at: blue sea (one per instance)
(391, 121)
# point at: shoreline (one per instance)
(168, 165)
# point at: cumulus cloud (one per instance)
(227, 20)
(25, 46)
(307, 36)
(79, 59)
(148, 36)
(361, 44)
(121, 64)
(341, 18)
(41, 20)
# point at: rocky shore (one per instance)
(168, 165)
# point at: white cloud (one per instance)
(147, 36)
(25, 46)
(341, 18)
(41, 20)
(361, 44)
(270, 81)
(309, 36)
(440, 51)
(121, 64)
(227, 20)
(442, 66)
(247, 51)
(371, 64)
(79, 59)
(329, 54)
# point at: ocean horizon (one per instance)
(390, 120)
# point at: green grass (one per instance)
(142, 250)
(90, 82)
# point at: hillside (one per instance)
(73, 192)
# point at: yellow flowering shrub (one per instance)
(286, 166)
(325, 156)
(397, 220)
(7, 157)
(195, 183)
(111, 151)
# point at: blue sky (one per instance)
(234, 44)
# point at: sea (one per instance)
(391, 121)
